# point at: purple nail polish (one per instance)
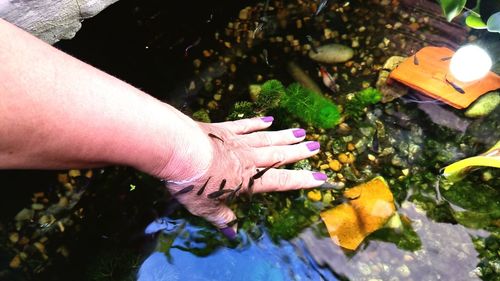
(229, 232)
(313, 145)
(267, 118)
(298, 133)
(319, 176)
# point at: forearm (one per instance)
(57, 112)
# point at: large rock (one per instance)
(51, 20)
(332, 53)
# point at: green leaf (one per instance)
(493, 23)
(475, 22)
(452, 8)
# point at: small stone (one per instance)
(355, 43)
(365, 84)
(244, 13)
(351, 146)
(63, 202)
(484, 105)
(397, 25)
(332, 53)
(15, 262)
(40, 247)
(217, 97)
(62, 178)
(24, 241)
(344, 128)
(335, 165)
(24, 214)
(487, 176)
(371, 157)
(314, 195)
(232, 68)
(14, 237)
(405, 172)
(324, 167)
(414, 27)
(197, 63)
(346, 158)
(212, 105)
(206, 53)
(403, 270)
(361, 29)
(37, 206)
(74, 173)
(299, 24)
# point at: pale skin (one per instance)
(59, 113)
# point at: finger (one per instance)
(283, 180)
(284, 137)
(216, 213)
(267, 156)
(248, 125)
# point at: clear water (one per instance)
(449, 234)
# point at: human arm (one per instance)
(58, 112)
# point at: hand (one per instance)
(244, 160)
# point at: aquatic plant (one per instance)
(485, 14)
(311, 107)
(270, 95)
(354, 107)
(242, 109)
(202, 116)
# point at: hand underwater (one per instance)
(244, 161)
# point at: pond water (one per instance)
(118, 224)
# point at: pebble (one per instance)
(314, 195)
(403, 270)
(63, 202)
(217, 97)
(15, 262)
(324, 167)
(40, 247)
(37, 206)
(14, 237)
(335, 165)
(371, 157)
(405, 172)
(244, 13)
(24, 214)
(364, 269)
(74, 173)
(351, 146)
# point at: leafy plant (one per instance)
(270, 94)
(354, 107)
(485, 15)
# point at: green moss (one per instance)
(310, 106)
(355, 106)
(270, 95)
(242, 109)
(202, 116)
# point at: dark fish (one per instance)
(191, 46)
(215, 137)
(250, 186)
(218, 193)
(202, 189)
(233, 222)
(445, 58)
(375, 142)
(321, 6)
(222, 184)
(261, 172)
(184, 190)
(311, 42)
(415, 60)
(455, 86)
(233, 194)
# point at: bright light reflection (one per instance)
(470, 63)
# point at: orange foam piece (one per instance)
(349, 223)
(427, 74)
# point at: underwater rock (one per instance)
(444, 117)
(332, 53)
(484, 105)
(24, 214)
(393, 90)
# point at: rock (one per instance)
(346, 158)
(335, 165)
(314, 195)
(24, 215)
(484, 105)
(332, 53)
(393, 90)
(14, 237)
(37, 206)
(15, 262)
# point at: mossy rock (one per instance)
(484, 105)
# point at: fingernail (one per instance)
(298, 133)
(319, 176)
(267, 118)
(229, 232)
(313, 145)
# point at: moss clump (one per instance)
(202, 116)
(270, 95)
(355, 106)
(310, 106)
(242, 109)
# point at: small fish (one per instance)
(445, 58)
(265, 57)
(233, 222)
(218, 193)
(311, 42)
(328, 79)
(321, 6)
(191, 46)
(202, 189)
(222, 184)
(233, 194)
(261, 172)
(251, 181)
(375, 142)
(455, 86)
(415, 60)
(215, 137)
(184, 190)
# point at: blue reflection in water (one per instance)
(252, 260)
